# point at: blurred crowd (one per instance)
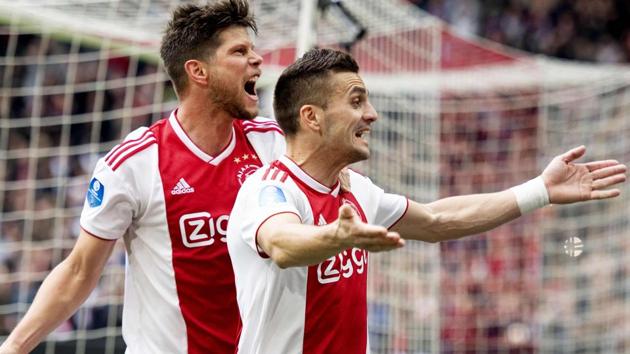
(588, 30)
(60, 116)
(514, 289)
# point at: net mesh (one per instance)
(456, 116)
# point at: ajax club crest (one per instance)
(246, 169)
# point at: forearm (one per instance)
(455, 217)
(296, 245)
(460, 216)
(61, 293)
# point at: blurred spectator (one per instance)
(590, 30)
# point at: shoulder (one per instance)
(137, 143)
(260, 125)
(267, 175)
(265, 136)
(358, 181)
(270, 175)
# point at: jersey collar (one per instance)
(181, 134)
(305, 178)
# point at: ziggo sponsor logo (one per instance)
(345, 264)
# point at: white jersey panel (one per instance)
(272, 301)
(380, 208)
(152, 318)
(109, 206)
(270, 144)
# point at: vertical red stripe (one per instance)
(203, 272)
(284, 177)
(275, 174)
(266, 173)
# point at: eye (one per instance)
(240, 51)
(356, 102)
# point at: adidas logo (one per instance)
(182, 188)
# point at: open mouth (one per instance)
(362, 134)
(250, 87)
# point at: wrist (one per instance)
(10, 348)
(531, 195)
(334, 235)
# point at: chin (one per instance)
(358, 156)
(243, 113)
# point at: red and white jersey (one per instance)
(316, 309)
(171, 203)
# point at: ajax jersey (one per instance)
(170, 202)
(316, 309)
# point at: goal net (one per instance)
(457, 115)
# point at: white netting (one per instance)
(455, 117)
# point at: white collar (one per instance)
(298, 172)
(181, 134)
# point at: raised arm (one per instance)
(562, 182)
(61, 293)
(290, 243)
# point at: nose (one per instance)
(255, 59)
(370, 114)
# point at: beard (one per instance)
(228, 97)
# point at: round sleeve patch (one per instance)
(95, 193)
(271, 195)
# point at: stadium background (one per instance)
(460, 114)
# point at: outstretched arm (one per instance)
(61, 293)
(292, 244)
(562, 182)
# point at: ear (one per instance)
(311, 117)
(197, 71)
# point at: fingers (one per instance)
(605, 194)
(608, 181)
(395, 242)
(366, 234)
(369, 237)
(596, 165)
(608, 171)
(377, 237)
(573, 154)
(345, 212)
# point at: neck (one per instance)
(207, 126)
(320, 163)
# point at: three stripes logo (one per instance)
(182, 188)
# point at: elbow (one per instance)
(279, 256)
(433, 232)
(281, 259)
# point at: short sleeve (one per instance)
(109, 206)
(256, 203)
(391, 208)
(266, 138)
(381, 208)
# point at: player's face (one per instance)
(234, 69)
(349, 115)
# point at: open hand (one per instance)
(569, 182)
(352, 232)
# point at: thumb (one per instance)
(345, 212)
(573, 154)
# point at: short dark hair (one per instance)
(307, 81)
(193, 33)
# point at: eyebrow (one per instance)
(243, 44)
(358, 89)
